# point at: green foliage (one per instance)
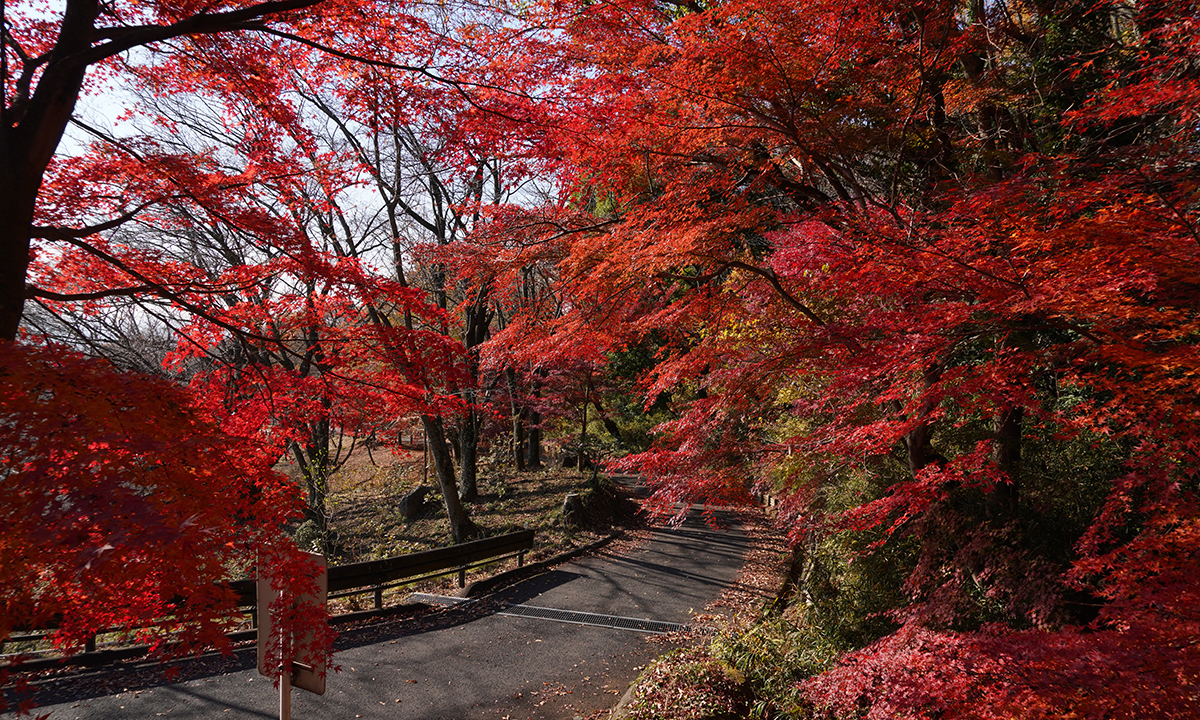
(850, 588)
(628, 411)
(849, 581)
(309, 537)
(636, 426)
(689, 685)
(1065, 481)
(774, 655)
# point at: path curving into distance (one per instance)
(560, 645)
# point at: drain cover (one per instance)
(574, 617)
(615, 622)
(437, 599)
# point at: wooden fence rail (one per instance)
(372, 576)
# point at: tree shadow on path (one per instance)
(73, 686)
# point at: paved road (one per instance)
(468, 662)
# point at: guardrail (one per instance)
(361, 578)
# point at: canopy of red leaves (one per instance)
(124, 505)
(916, 268)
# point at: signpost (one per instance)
(306, 676)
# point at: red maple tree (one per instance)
(125, 503)
(927, 272)
(118, 221)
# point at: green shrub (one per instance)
(689, 684)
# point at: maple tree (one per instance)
(433, 168)
(428, 190)
(515, 350)
(923, 270)
(112, 478)
(251, 207)
(125, 506)
(926, 271)
(45, 66)
(229, 246)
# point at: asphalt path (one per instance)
(466, 661)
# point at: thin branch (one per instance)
(777, 284)
(457, 84)
(1172, 206)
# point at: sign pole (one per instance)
(285, 677)
(308, 675)
(285, 696)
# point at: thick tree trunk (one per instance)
(518, 442)
(461, 526)
(28, 141)
(15, 218)
(917, 445)
(468, 439)
(318, 473)
(533, 460)
(1006, 453)
(451, 435)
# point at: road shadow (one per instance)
(75, 685)
(672, 556)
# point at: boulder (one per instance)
(572, 510)
(413, 501)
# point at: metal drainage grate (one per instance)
(656, 627)
(428, 599)
(614, 622)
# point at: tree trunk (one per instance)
(27, 144)
(318, 485)
(313, 459)
(15, 218)
(468, 439)
(519, 442)
(1006, 453)
(534, 457)
(609, 424)
(918, 448)
(583, 455)
(517, 415)
(461, 526)
(1002, 505)
(534, 427)
(478, 319)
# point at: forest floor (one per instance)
(365, 495)
(366, 523)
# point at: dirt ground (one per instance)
(366, 523)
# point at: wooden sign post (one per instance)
(306, 676)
